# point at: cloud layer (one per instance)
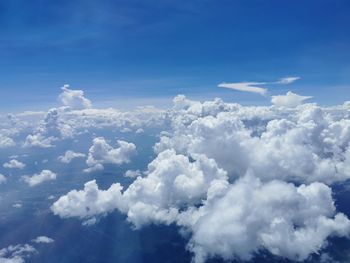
(236, 180)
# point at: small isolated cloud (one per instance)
(132, 173)
(245, 86)
(290, 100)
(36, 179)
(43, 239)
(69, 156)
(101, 153)
(17, 205)
(2, 179)
(74, 99)
(287, 80)
(14, 164)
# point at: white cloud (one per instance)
(133, 173)
(287, 80)
(245, 86)
(43, 239)
(6, 142)
(74, 98)
(289, 100)
(88, 203)
(36, 179)
(288, 221)
(102, 153)
(14, 164)
(254, 87)
(247, 178)
(94, 168)
(38, 140)
(2, 179)
(69, 156)
(16, 254)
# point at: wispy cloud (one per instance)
(287, 80)
(245, 86)
(254, 86)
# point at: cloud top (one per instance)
(290, 100)
(74, 98)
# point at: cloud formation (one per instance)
(254, 87)
(260, 177)
(17, 253)
(102, 153)
(43, 239)
(69, 156)
(287, 80)
(36, 179)
(245, 86)
(74, 98)
(14, 164)
(289, 100)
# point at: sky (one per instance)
(126, 53)
(174, 131)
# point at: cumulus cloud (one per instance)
(14, 164)
(88, 203)
(102, 153)
(236, 179)
(69, 156)
(133, 173)
(245, 86)
(43, 239)
(36, 179)
(6, 142)
(289, 100)
(288, 221)
(74, 98)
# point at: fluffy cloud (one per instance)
(289, 100)
(6, 142)
(236, 179)
(88, 203)
(14, 164)
(288, 221)
(74, 98)
(36, 179)
(133, 173)
(43, 239)
(102, 153)
(69, 156)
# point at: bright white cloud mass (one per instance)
(36, 179)
(74, 98)
(235, 180)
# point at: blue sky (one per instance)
(153, 50)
